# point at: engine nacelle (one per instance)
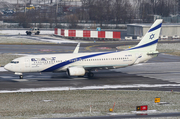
(76, 71)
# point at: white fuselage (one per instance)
(60, 62)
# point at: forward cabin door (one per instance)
(27, 65)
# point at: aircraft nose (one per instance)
(7, 67)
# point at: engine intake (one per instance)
(76, 71)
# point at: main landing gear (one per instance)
(90, 75)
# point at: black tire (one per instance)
(20, 76)
(28, 33)
(90, 75)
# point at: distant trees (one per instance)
(147, 8)
(35, 16)
(99, 11)
(105, 11)
(73, 20)
(122, 11)
(163, 8)
(95, 10)
(23, 20)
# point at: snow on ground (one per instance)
(170, 46)
(87, 88)
(16, 32)
(21, 34)
(57, 40)
(2, 69)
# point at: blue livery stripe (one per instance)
(60, 65)
(155, 28)
(145, 45)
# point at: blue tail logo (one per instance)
(152, 36)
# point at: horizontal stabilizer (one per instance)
(159, 53)
(153, 53)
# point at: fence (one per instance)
(87, 33)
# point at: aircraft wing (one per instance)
(76, 50)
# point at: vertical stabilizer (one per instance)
(150, 39)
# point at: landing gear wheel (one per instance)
(20, 76)
(90, 75)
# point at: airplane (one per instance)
(82, 64)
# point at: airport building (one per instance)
(168, 30)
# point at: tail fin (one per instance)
(150, 39)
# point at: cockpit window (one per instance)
(15, 62)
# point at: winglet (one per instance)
(76, 50)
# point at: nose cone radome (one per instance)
(7, 67)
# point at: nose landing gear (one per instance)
(20, 76)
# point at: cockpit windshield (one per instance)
(15, 62)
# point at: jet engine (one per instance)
(76, 71)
